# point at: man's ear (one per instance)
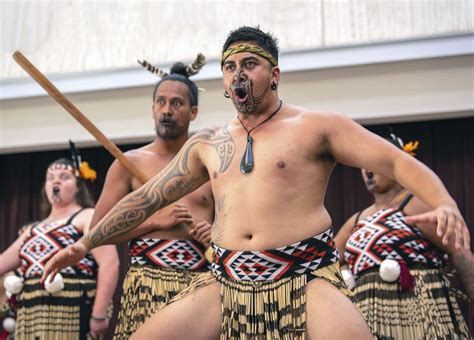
(276, 74)
(194, 112)
(152, 111)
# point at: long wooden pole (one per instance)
(85, 122)
(78, 115)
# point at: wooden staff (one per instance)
(85, 122)
(78, 115)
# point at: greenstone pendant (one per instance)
(246, 165)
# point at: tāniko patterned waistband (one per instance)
(265, 265)
(172, 254)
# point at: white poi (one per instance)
(13, 284)
(389, 270)
(348, 278)
(9, 324)
(56, 286)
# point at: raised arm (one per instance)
(353, 145)
(182, 175)
(462, 259)
(118, 183)
(185, 173)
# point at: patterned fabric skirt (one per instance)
(64, 315)
(429, 311)
(145, 289)
(263, 293)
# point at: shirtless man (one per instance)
(163, 254)
(282, 278)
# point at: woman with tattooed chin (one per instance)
(75, 305)
(275, 272)
(397, 268)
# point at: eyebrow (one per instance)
(248, 59)
(173, 98)
(244, 60)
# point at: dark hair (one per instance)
(393, 138)
(83, 196)
(178, 72)
(255, 35)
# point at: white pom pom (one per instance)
(8, 294)
(13, 284)
(56, 286)
(9, 325)
(348, 278)
(389, 270)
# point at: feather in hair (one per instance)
(153, 69)
(196, 65)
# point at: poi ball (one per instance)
(389, 270)
(56, 286)
(13, 284)
(9, 324)
(348, 278)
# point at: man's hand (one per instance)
(449, 223)
(171, 216)
(98, 327)
(202, 232)
(68, 256)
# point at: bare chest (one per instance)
(150, 165)
(278, 159)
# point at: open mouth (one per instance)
(166, 122)
(241, 94)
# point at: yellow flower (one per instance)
(411, 147)
(87, 172)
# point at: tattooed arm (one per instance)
(184, 174)
(463, 261)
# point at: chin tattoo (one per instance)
(245, 87)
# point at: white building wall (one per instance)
(86, 36)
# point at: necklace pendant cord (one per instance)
(246, 164)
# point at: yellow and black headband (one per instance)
(248, 48)
(78, 168)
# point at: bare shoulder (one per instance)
(216, 136)
(416, 206)
(139, 153)
(320, 116)
(137, 156)
(83, 219)
(25, 229)
(322, 121)
(210, 133)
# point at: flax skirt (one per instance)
(429, 311)
(145, 289)
(63, 316)
(265, 309)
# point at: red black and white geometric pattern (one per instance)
(273, 264)
(385, 235)
(172, 254)
(46, 240)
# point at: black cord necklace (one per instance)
(246, 164)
